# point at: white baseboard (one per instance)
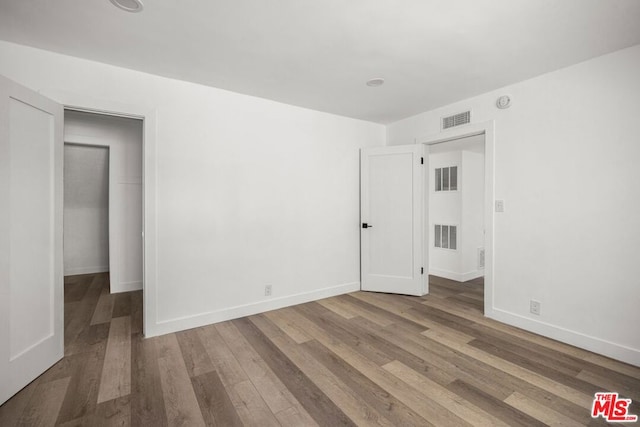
(85, 270)
(126, 287)
(587, 342)
(446, 274)
(472, 275)
(189, 322)
(458, 277)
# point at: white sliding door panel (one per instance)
(31, 286)
(391, 214)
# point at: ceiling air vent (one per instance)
(456, 120)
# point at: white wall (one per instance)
(462, 208)
(249, 191)
(472, 231)
(123, 137)
(566, 164)
(86, 209)
(445, 208)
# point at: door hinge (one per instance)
(421, 270)
(422, 160)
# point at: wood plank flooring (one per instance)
(356, 359)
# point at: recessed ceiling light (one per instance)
(375, 82)
(129, 5)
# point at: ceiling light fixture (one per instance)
(375, 82)
(129, 5)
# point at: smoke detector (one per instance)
(129, 5)
(503, 102)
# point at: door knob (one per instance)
(365, 225)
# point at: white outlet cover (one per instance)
(535, 307)
(499, 205)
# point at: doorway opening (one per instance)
(103, 202)
(86, 209)
(455, 203)
(35, 322)
(470, 149)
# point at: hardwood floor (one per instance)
(357, 359)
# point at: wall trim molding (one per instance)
(126, 287)
(85, 270)
(567, 336)
(446, 274)
(458, 277)
(470, 275)
(202, 319)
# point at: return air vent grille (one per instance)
(456, 120)
(445, 236)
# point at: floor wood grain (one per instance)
(357, 359)
(116, 370)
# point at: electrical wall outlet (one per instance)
(499, 205)
(535, 307)
(267, 291)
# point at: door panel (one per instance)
(31, 287)
(391, 206)
(391, 210)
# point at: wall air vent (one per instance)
(445, 236)
(456, 120)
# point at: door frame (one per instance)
(148, 115)
(488, 130)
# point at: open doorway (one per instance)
(456, 218)
(86, 209)
(103, 202)
(40, 322)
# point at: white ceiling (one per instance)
(318, 54)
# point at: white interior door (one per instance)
(31, 278)
(391, 212)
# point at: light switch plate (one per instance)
(499, 205)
